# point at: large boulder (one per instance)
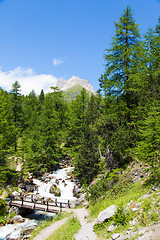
(106, 214)
(55, 190)
(15, 194)
(76, 190)
(16, 235)
(14, 210)
(18, 219)
(28, 186)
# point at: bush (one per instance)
(3, 211)
(121, 217)
(97, 190)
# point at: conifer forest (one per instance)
(117, 125)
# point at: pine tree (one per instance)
(121, 60)
(16, 109)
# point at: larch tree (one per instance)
(121, 60)
(16, 109)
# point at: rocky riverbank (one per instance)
(62, 179)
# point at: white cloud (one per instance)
(57, 61)
(28, 80)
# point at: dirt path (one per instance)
(46, 232)
(86, 232)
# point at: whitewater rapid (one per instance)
(66, 186)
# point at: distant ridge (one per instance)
(65, 85)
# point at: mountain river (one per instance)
(62, 179)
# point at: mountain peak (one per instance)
(64, 85)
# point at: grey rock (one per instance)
(145, 196)
(158, 204)
(76, 190)
(18, 219)
(106, 214)
(15, 194)
(134, 209)
(155, 188)
(14, 210)
(146, 236)
(111, 228)
(142, 231)
(115, 236)
(133, 222)
(130, 203)
(79, 201)
(138, 204)
(16, 235)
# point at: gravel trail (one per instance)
(86, 232)
(46, 232)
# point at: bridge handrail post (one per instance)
(22, 201)
(43, 200)
(56, 202)
(60, 207)
(34, 203)
(69, 204)
(47, 205)
(32, 198)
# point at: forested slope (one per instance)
(105, 131)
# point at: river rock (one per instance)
(55, 190)
(16, 235)
(14, 210)
(57, 181)
(15, 194)
(106, 214)
(111, 228)
(28, 186)
(115, 236)
(18, 219)
(76, 190)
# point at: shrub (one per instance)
(3, 211)
(121, 217)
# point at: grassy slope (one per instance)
(125, 192)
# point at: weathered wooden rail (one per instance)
(38, 204)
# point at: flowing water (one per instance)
(63, 181)
(66, 186)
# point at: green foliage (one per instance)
(148, 147)
(121, 216)
(3, 212)
(112, 182)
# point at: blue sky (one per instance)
(44, 40)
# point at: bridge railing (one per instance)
(23, 200)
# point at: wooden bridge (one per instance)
(31, 203)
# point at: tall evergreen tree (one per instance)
(16, 109)
(121, 60)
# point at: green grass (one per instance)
(121, 195)
(130, 193)
(66, 231)
(48, 222)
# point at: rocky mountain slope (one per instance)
(65, 85)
